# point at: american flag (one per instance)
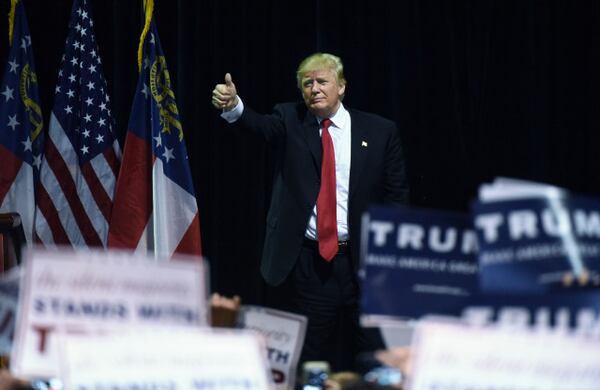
(21, 126)
(155, 205)
(82, 155)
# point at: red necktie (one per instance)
(326, 204)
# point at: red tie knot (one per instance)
(325, 123)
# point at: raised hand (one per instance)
(224, 96)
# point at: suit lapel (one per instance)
(359, 149)
(313, 139)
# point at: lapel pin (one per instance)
(364, 144)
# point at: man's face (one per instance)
(321, 92)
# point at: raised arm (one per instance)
(225, 98)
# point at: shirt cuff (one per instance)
(234, 114)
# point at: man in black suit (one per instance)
(332, 162)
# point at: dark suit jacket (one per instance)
(376, 176)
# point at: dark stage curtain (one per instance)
(478, 88)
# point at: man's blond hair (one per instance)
(320, 61)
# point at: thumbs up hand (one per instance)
(224, 96)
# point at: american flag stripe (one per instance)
(68, 191)
(101, 198)
(103, 171)
(62, 195)
(112, 157)
(49, 229)
(56, 205)
(66, 194)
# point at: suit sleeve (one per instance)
(395, 180)
(269, 126)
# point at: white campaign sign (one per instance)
(171, 359)
(284, 336)
(87, 292)
(456, 356)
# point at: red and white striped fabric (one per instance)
(74, 200)
(81, 161)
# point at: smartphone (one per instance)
(314, 375)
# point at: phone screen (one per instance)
(315, 374)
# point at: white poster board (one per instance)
(87, 292)
(284, 337)
(174, 358)
(452, 355)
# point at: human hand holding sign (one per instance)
(224, 96)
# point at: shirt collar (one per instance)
(339, 119)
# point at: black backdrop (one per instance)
(479, 88)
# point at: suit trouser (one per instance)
(327, 293)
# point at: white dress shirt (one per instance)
(341, 136)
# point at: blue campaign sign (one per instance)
(558, 311)
(538, 245)
(416, 262)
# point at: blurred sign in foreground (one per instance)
(88, 292)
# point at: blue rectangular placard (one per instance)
(537, 245)
(578, 310)
(416, 262)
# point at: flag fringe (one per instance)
(11, 20)
(148, 8)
